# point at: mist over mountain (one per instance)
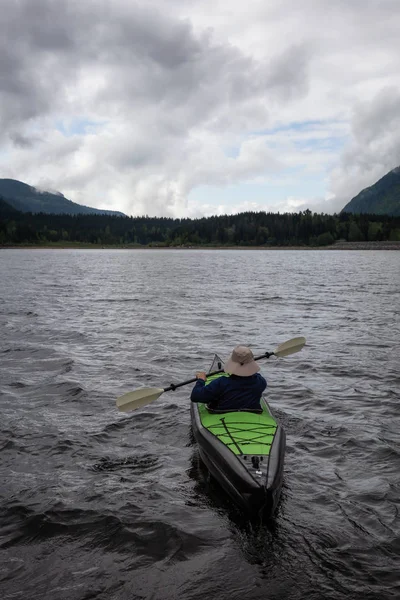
(26, 198)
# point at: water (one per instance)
(99, 504)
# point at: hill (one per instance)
(7, 211)
(382, 198)
(26, 198)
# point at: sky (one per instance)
(191, 108)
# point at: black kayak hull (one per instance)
(254, 482)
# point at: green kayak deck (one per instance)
(242, 432)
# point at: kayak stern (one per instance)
(244, 451)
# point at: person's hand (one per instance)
(201, 375)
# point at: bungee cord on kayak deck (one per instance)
(236, 440)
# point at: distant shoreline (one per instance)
(81, 246)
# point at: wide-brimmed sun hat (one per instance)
(241, 362)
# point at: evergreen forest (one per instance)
(244, 229)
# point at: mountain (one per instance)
(6, 210)
(26, 198)
(382, 198)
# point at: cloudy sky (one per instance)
(200, 107)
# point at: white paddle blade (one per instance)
(138, 398)
(290, 347)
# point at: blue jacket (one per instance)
(230, 393)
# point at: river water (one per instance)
(100, 504)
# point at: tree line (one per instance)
(245, 229)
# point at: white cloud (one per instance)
(374, 149)
(132, 108)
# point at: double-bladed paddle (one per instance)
(144, 396)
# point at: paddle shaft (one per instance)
(174, 386)
(143, 396)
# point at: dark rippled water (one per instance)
(100, 504)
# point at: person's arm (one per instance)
(262, 382)
(205, 393)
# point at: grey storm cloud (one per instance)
(32, 35)
(378, 117)
(375, 146)
(47, 47)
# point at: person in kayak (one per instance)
(240, 391)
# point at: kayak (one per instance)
(243, 450)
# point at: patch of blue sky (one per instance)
(232, 151)
(268, 193)
(334, 143)
(326, 136)
(78, 126)
(302, 126)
